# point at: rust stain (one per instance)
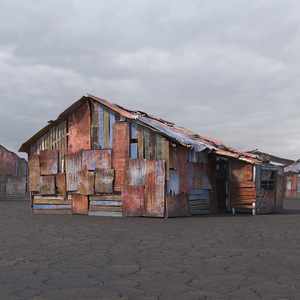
(92, 159)
(133, 200)
(80, 204)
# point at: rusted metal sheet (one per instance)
(92, 159)
(133, 200)
(294, 182)
(80, 204)
(155, 188)
(241, 170)
(104, 181)
(173, 183)
(152, 146)
(199, 202)
(8, 162)
(34, 169)
(166, 156)
(60, 181)
(73, 165)
(85, 182)
(16, 185)
(177, 205)
(146, 144)
(47, 185)
(79, 129)
(136, 171)
(49, 162)
(120, 152)
(182, 157)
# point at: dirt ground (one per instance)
(220, 256)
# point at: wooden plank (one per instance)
(52, 211)
(95, 125)
(242, 183)
(62, 145)
(173, 157)
(34, 171)
(106, 127)
(105, 213)
(92, 159)
(243, 200)
(85, 182)
(60, 181)
(80, 204)
(133, 200)
(120, 152)
(110, 203)
(111, 128)
(51, 201)
(199, 192)
(136, 171)
(104, 208)
(140, 142)
(177, 205)
(105, 197)
(182, 156)
(152, 146)
(104, 180)
(194, 197)
(73, 166)
(51, 206)
(79, 129)
(244, 206)
(166, 157)
(47, 185)
(155, 188)
(243, 191)
(146, 144)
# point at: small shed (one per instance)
(292, 180)
(13, 176)
(99, 158)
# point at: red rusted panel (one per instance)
(7, 162)
(104, 181)
(60, 180)
(47, 185)
(79, 129)
(85, 182)
(80, 204)
(241, 170)
(73, 165)
(136, 171)
(294, 182)
(177, 205)
(92, 159)
(155, 188)
(133, 200)
(121, 140)
(16, 185)
(49, 162)
(34, 173)
(182, 157)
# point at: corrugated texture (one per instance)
(182, 156)
(85, 182)
(177, 205)
(80, 204)
(34, 170)
(92, 159)
(79, 128)
(7, 162)
(60, 181)
(155, 189)
(47, 185)
(133, 200)
(49, 162)
(104, 181)
(120, 152)
(241, 170)
(73, 165)
(173, 183)
(16, 185)
(136, 171)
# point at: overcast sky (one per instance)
(229, 70)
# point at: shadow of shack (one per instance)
(13, 176)
(99, 158)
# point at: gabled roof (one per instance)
(294, 167)
(177, 134)
(271, 158)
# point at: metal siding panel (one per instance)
(104, 180)
(79, 129)
(92, 159)
(133, 200)
(182, 156)
(120, 152)
(47, 185)
(16, 185)
(241, 170)
(166, 156)
(60, 181)
(101, 128)
(49, 162)
(95, 124)
(152, 146)
(34, 173)
(111, 129)
(106, 127)
(177, 205)
(73, 165)
(85, 182)
(80, 204)
(173, 183)
(7, 162)
(137, 171)
(155, 189)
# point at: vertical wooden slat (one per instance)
(146, 144)
(140, 142)
(73, 165)
(111, 129)
(182, 156)
(60, 181)
(155, 189)
(95, 125)
(34, 171)
(152, 146)
(106, 128)
(133, 200)
(101, 127)
(166, 156)
(92, 159)
(80, 204)
(137, 171)
(120, 152)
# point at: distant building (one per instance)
(98, 158)
(13, 176)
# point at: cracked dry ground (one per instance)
(220, 256)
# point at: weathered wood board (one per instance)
(104, 180)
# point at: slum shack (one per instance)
(13, 176)
(98, 158)
(292, 180)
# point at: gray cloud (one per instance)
(225, 69)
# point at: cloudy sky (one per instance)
(229, 69)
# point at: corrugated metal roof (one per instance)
(294, 167)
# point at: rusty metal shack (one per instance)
(13, 176)
(292, 180)
(98, 158)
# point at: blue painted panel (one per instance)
(51, 206)
(101, 131)
(173, 183)
(111, 131)
(133, 130)
(133, 150)
(198, 197)
(198, 192)
(98, 202)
